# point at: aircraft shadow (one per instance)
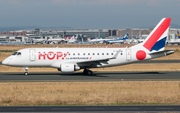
(95, 74)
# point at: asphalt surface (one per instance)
(106, 76)
(97, 109)
(97, 76)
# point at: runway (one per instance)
(97, 76)
(91, 109)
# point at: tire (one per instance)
(26, 73)
(89, 72)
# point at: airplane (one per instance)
(38, 41)
(58, 40)
(69, 60)
(55, 40)
(107, 41)
(118, 40)
(174, 41)
(73, 39)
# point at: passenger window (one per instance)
(69, 54)
(84, 54)
(88, 53)
(73, 53)
(93, 54)
(97, 53)
(107, 53)
(121, 53)
(111, 53)
(78, 53)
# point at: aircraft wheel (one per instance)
(89, 72)
(26, 73)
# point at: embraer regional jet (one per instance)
(68, 60)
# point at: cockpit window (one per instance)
(17, 53)
(14, 53)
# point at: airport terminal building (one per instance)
(83, 34)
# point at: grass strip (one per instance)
(8, 50)
(90, 93)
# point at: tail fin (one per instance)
(157, 38)
(64, 35)
(76, 37)
(126, 36)
(73, 39)
(178, 34)
(68, 38)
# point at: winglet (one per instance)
(114, 57)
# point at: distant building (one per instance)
(88, 33)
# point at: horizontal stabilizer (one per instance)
(167, 52)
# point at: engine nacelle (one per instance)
(69, 68)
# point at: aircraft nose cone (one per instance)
(5, 62)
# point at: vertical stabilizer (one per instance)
(156, 40)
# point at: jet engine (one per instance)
(69, 68)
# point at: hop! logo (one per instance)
(52, 55)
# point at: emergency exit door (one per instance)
(128, 54)
(32, 54)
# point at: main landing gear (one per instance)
(87, 72)
(26, 69)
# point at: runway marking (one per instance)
(164, 108)
(94, 108)
(129, 108)
(25, 109)
(60, 109)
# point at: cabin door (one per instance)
(32, 54)
(128, 54)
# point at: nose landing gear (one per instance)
(26, 69)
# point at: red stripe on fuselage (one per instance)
(157, 34)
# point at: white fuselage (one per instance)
(54, 57)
